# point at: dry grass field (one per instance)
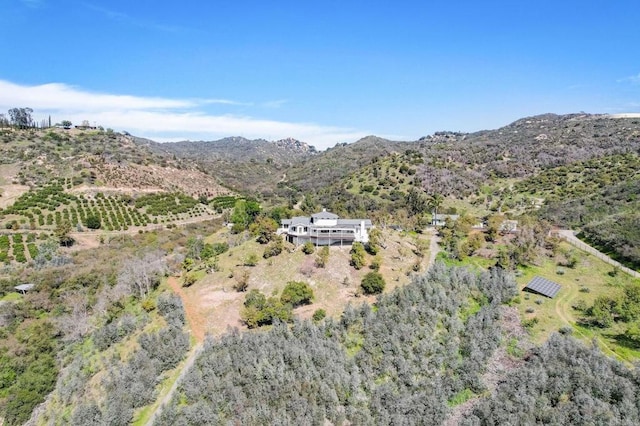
(216, 305)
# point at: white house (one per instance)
(325, 229)
(441, 219)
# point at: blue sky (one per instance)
(323, 72)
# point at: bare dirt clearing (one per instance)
(217, 305)
(9, 191)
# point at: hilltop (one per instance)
(94, 159)
(116, 319)
(242, 164)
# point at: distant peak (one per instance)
(295, 145)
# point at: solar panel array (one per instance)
(543, 286)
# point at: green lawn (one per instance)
(588, 280)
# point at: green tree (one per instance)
(244, 214)
(274, 248)
(240, 218)
(255, 298)
(319, 315)
(21, 117)
(375, 238)
(258, 310)
(494, 224)
(602, 310)
(297, 293)
(629, 306)
(264, 228)
(92, 222)
(415, 201)
(308, 248)
(66, 123)
(323, 257)
(633, 332)
(373, 283)
(434, 201)
(358, 256)
(61, 233)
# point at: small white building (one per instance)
(509, 226)
(325, 229)
(441, 219)
(24, 288)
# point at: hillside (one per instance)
(94, 159)
(245, 165)
(459, 164)
(580, 169)
(57, 182)
(115, 327)
(339, 161)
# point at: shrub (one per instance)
(274, 248)
(358, 260)
(148, 305)
(308, 248)
(373, 283)
(297, 293)
(189, 280)
(322, 257)
(242, 281)
(319, 315)
(92, 222)
(258, 310)
(251, 260)
(565, 330)
(377, 262)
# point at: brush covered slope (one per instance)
(96, 158)
(101, 337)
(425, 354)
(243, 164)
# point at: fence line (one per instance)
(569, 237)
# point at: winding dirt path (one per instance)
(196, 324)
(188, 363)
(564, 312)
(195, 319)
(434, 246)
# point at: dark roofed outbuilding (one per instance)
(542, 286)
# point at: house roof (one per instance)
(354, 222)
(24, 287)
(298, 220)
(325, 215)
(447, 216)
(543, 286)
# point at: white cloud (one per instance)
(159, 118)
(634, 79)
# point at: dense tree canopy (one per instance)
(401, 363)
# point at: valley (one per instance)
(165, 292)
